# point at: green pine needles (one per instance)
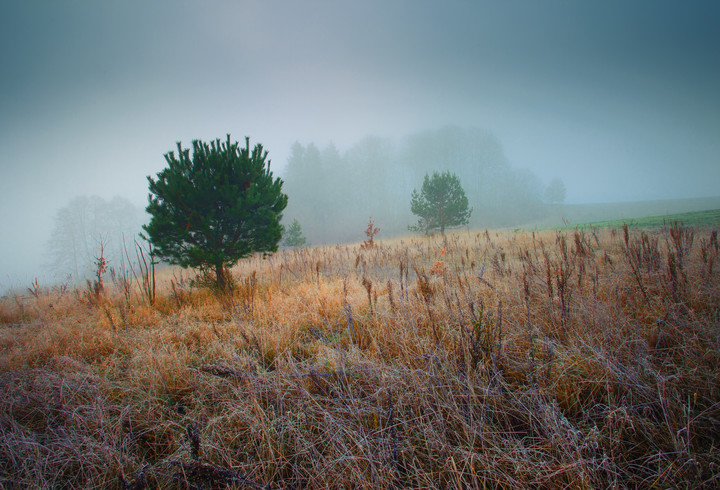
(440, 204)
(212, 209)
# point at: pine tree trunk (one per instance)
(220, 276)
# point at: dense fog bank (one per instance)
(333, 194)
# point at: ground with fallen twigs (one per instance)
(553, 359)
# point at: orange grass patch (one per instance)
(584, 358)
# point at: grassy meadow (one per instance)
(706, 218)
(632, 213)
(585, 358)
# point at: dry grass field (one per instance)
(554, 359)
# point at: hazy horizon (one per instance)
(618, 99)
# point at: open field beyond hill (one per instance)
(707, 218)
(554, 359)
(571, 215)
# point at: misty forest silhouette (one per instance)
(333, 194)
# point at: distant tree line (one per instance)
(333, 194)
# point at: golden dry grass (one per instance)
(585, 359)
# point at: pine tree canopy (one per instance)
(216, 207)
(440, 204)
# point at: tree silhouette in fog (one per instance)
(555, 192)
(440, 204)
(82, 225)
(293, 236)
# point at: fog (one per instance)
(618, 99)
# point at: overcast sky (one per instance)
(620, 99)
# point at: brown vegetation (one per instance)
(582, 359)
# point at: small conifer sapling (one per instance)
(293, 236)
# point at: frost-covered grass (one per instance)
(549, 359)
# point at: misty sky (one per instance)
(620, 99)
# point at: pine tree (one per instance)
(216, 207)
(440, 204)
(293, 236)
